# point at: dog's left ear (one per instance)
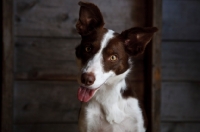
(136, 39)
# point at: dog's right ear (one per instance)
(90, 18)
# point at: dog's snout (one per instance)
(87, 78)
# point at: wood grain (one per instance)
(54, 59)
(45, 58)
(47, 128)
(180, 127)
(45, 102)
(181, 20)
(180, 101)
(156, 65)
(180, 61)
(58, 18)
(153, 66)
(7, 67)
(180, 66)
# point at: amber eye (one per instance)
(88, 49)
(113, 58)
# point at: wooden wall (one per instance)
(45, 84)
(180, 111)
(7, 66)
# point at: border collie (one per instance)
(104, 60)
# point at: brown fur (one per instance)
(115, 47)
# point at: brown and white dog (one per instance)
(104, 59)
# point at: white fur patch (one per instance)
(95, 65)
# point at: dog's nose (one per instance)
(87, 78)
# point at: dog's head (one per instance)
(104, 54)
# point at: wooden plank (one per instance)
(42, 102)
(46, 128)
(181, 19)
(180, 101)
(180, 61)
(38, 58)
(153, 66)
(58, 18)
(7, 67)
(53, 59)
(180, 127)
(156, 66)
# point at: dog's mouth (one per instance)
(85, 94)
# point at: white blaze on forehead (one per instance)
(109, 35)
(95, 64)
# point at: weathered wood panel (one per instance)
(180, 66)
(181, 61)
(45, 58)
(7, 66)
(53, 59)
(153, 66)
(46, 128)
(180, 126)
(180, 101)
(181, 19)
(45, 102)
(57, 18)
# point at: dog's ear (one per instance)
(136, 39)
(90, 18)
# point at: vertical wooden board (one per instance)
(58, 18)
(180, 126)
(45, 102)
(156, 65)
(7, 66)
(180, 61)
(181, 19)
(180, 101)
(153, 65)
(46, 128)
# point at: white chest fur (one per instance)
(108, 111)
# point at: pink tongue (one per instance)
(85, 94)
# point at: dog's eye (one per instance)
(88, 49)
(113, 58)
